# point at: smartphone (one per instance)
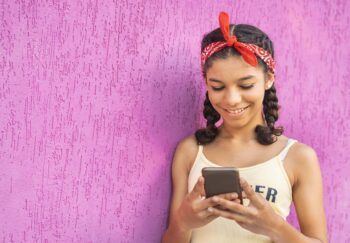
(220, 180)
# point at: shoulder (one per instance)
(188, 144)
(184, 156)
(303, 161)
(303, 154)
(186, 152)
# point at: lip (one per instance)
(236, 113)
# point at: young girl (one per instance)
(238, 67)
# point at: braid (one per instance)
(208, 134)
(267, 134)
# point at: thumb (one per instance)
(250, 193)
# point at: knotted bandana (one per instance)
(247, 51)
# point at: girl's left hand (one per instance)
(258, 217)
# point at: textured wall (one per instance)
(94, 96)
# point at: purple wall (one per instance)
(94, 96)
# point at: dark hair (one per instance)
(248, 34)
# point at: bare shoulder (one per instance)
(186, 151)
(303, 154)
(303, 161)
(184, 156)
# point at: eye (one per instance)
(217, 89)
(247, 86)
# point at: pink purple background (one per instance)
(94, 96)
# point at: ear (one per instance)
(270, 79)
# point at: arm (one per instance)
(188, 210)
(174, 232)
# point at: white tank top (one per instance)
(268, 178)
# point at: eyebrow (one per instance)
(240, 79)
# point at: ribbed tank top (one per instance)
(269, 178)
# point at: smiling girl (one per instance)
(239, 72)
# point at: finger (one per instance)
(250, 193)
(220, 207)
(198, 189)
(233, 206)
(206, 203)
(229, 215)
(237, 201)
(229, 196)
(208, 214)
(213, 201)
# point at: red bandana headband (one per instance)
(247, 51)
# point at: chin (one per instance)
(235, 123)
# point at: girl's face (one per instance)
(236, 90)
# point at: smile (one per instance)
(236, 112)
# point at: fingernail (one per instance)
(215, 199)
(210, 209)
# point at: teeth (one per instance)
(236, 111)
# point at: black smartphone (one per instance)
(220, 180)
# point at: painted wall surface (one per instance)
(95, 95)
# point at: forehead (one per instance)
(233, 67)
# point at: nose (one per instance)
(233, 97)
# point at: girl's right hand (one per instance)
(193, 211)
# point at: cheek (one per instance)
(215, 97)
(254, 96)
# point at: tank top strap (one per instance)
(282, 155)
(200, 149)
